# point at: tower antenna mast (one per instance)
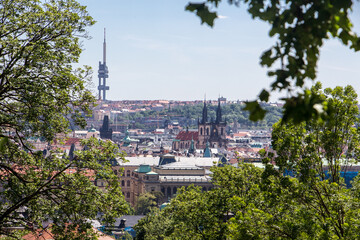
(103, 72)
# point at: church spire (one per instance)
(218, 113)
(204, 114)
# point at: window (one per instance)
(128, 194)
(169, 191)
(115, 172)
(222, 131)
(207, 131)
(201, 131)
(128, 173)
(128, 183)
(122, 183)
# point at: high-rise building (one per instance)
(103, 73)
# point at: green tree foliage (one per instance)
(231, 112)
(40, 94)
(316, 153)
(194, 214)
(145, 203)
(300, 194)
(300, 28)
(156, 225)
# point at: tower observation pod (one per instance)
(103, 73)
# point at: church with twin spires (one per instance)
(211, 133)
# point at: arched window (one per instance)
(207, 131)
(115, 172)
(169, 191)
(128, 194)
(201, 131)
(163, 190)
(128, 173)
(122, 183)
(174, 190)
(128, 183)
(222, 131)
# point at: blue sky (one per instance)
(156, 50)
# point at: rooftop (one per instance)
(187, 136)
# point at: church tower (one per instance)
(105, 130)
(212, 131)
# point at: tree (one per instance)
(301, 27)
(317, 155)
(145, 203)
(156, 225)
(194, 214)
(41, 95)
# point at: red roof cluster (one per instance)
(187, 136)
(72, 140)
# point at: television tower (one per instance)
(103, 73)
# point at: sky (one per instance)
(157, 50)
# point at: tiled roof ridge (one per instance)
(188, 135)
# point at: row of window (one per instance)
(127, 183)
(172, 190)
(207, 131)
(128, 173)
(187, 145)
(126, 194)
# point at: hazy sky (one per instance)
(156, 50)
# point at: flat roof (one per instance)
(154, 161)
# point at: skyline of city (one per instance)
(157, 50)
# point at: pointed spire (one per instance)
(204, 114)
(104, 47)
(207, 151)
(218, 112)
(72, 151)
(192, 146)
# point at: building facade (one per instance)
(212, 131)
(163, 174)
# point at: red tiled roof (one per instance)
(187, 136)
(72, 140)
(241, 134)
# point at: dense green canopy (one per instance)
(41, 95)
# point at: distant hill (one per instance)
(187, 115)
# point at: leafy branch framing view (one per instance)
(300, 28)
